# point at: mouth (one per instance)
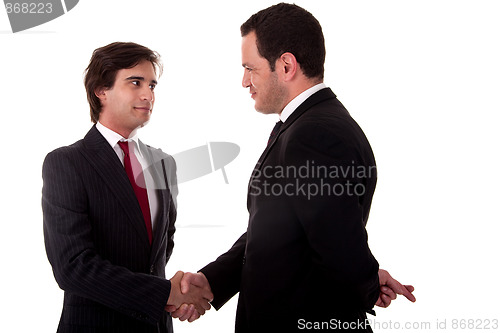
(144, 109)
(252, 94)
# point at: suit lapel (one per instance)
(154, 168)
(103, 159)
(314, 99)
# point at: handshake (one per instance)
(190, 295)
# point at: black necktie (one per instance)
(274, 132)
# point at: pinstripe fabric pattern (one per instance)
(97, 243)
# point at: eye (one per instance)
(152, 86)
(136, 83)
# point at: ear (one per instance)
(290, 65)
(101, 93)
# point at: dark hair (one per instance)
(109, 59)
(289, 28)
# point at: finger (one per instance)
(200, 308)
(379, 303)
(170, 308)
(388, 291)
(174, 314)
(194, 317)
(398, 288)
(180, 312)
(407, 292)
(206, 306)
(208, 295)
(188, 313)
(402, 290)
(386, 300)
(410, 288)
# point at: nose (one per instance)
(247, 81)
(147, 94)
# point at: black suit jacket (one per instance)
(305, 258)
(97, 243)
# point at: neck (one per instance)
(298, 88)
(124, 132)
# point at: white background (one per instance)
(422, 78)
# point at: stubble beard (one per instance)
(275, 98)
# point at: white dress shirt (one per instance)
(113, 138)
(294, 103)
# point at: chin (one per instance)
(264, 110)
(144, 119)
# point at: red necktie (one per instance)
(138, 184)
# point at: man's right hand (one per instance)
(185, 290)
(390, 288)
(189, 311)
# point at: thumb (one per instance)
(185, 282)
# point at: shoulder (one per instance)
(329, 118)
(317, 128)
(159, 155)
(156, 152)
(65, 153)
(62, 166)
(326, 130)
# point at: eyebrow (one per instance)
(140, 78)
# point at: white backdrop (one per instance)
(420, 77)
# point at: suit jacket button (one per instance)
(152, 269)
(244, 260)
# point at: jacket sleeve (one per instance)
(76, 265)
(224, 274)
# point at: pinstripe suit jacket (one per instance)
(97, 243)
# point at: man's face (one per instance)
(268, 92)
(129, 103)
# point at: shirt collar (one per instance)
(112, 137)
(294, 103)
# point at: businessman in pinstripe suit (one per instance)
(108, 252)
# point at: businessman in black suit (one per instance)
(109, 207)
(304, 262)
